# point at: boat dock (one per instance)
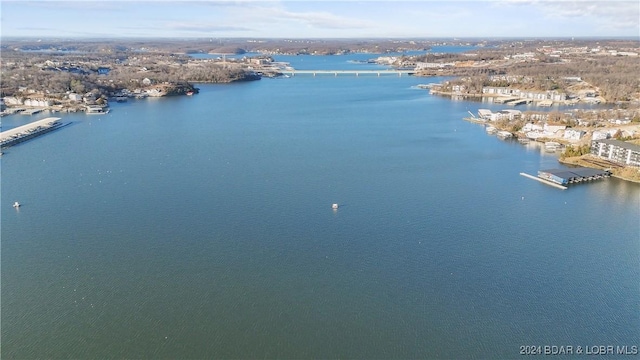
(518, 102)
(504, 99)
(31, 111)
(29, 131)
(544, 181)
(574, 175)
(561, 177)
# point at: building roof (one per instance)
(587, 172)
(580, 172)
(622, 144)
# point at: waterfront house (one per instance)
(38, 102)
(75, 97)
(552, 95)
(432, 65)
(599, 135)
(571, 134)
(12, 100)
(616, 151)
(90, 98)
(458, 88)
(532, 127)
(620, 121)
(484, 114)
(553, 128)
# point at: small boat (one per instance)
(16, 204)
(334, 206)
(189, 93)
(504, 134)
(491, 130)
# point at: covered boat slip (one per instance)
(28, 131)
(570, 176)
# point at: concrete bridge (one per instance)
(348, 72)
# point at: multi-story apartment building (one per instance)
(617, 151)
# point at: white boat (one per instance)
(504, 134)
(334, 206)
(96, 110)
(491, 130)
(16, 204)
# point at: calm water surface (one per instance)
(201, 227)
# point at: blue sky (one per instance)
(319, 19)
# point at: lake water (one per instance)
(201, 227)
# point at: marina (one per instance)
(29, 131)
(572, 176)
(559, 178)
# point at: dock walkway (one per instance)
(28, 131)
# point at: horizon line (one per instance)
(599, 37)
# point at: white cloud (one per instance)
(203, 27)
(602, 15)
(618, 14)
(281, 19)
(319, 19)
(610, 10)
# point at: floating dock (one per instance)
(574, 175)
(504, 99)
(31, 111)
(544, 181)
(518, 102)
(561, 177)
(29, 131)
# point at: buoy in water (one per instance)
(334, 206)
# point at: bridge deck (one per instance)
(349, 72)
